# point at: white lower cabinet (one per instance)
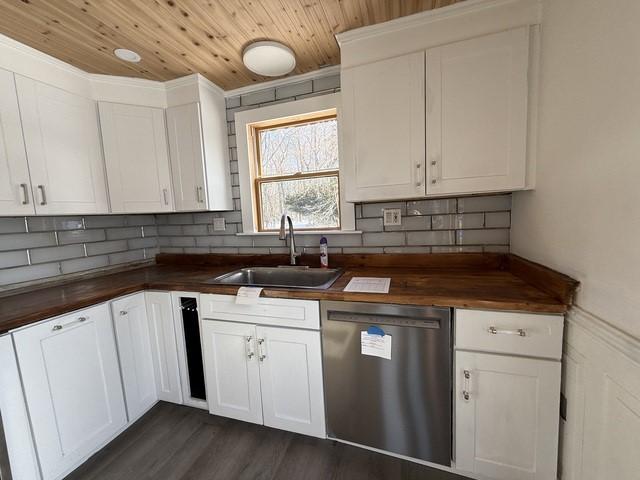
(164, 346)
(232, 370)
(133, 336)
(265, 375)
(291, 380)
(72, 385)
(507, 407)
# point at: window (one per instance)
(296, 172)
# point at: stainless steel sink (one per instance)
(285, 277)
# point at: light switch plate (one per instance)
(391, 216)
(219, 225)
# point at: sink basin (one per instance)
(286, 277)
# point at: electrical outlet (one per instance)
(391, 216)
(219, 225)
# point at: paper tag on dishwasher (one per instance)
(248, 295)
(375, 345)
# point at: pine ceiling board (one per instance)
(178, 37)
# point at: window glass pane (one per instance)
(306, 147)
(310, 202)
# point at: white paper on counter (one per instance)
(248, 295)
(375, 345)
(368, 285)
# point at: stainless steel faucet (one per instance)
(292, 242)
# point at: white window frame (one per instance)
(247, 165)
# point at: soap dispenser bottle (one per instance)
(324, 253)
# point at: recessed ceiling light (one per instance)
(127, 55)
(271, 59)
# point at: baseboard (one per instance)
(601, 382)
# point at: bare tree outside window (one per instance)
(298, 174)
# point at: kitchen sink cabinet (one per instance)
(264, 374)
(72, 385)
(133, 336)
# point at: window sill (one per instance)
(302, 232)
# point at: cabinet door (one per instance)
(508, 427)
(231, 370)
(187, 157)
(135, 150)
(15, 421)
(15, 184)
(134, 347)
(382, 124)
(164, 349)
(63, 148)
(291, 380)
(71, 379)
(477, 114)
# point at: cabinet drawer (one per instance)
(515, 333)
(267, 311)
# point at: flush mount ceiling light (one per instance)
(127, 55)
(271, 59)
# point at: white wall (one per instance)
(584, 216)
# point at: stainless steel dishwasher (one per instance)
(402, 404)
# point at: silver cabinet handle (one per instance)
(434, 174)
(165, 196)
(43, 195)
(419, 169)
(25, 194)
(78, 320)
(123, 313)
(466, 392)
(199, 196)
(249, 347)
(261, 354)
(496, 331)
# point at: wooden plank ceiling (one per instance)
(180, 37)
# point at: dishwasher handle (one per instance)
(381, 319)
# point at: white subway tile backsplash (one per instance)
(50, 224)
(491, 203)
(369, 224)
(411, 223)
(104, 221)
(13, 225)
(454, 222)
(294, 89)
(483, 237)
(26, 274)
(432, 207)
(81, 236)
(53, 254)
(82, 264)
(126, 232)
(209, 241)
(443, 237)
(20, 241)
(383, 239)
(361, 250)
(195, 230)
(100, 248)
(126, 257)
(14, 258)
(326, 83)
(407, 249)
(261, 96)
(137, 243)
(497, 219)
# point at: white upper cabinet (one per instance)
(135, 149)
(15, 185)
(187, 157)
(134, 347)
(71, 380)
(63, 148)
(477, 114)
(382, 129)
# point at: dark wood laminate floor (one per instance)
(173, 442)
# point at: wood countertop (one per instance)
(481, 281)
